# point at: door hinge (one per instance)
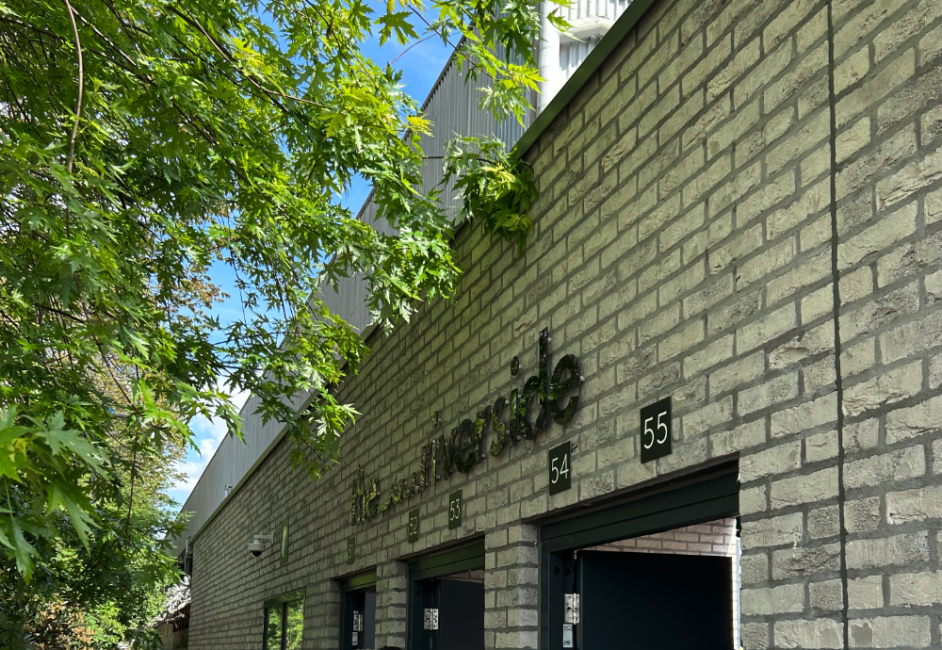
(571, 615)
(431, 618)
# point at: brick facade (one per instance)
(690, 196)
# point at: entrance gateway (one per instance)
(652, 570)
(447, 600)
(655, 570)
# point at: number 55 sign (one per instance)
(656, 430)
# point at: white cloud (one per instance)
(210, 433)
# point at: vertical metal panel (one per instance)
(571, 55)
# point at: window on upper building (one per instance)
(284, 622)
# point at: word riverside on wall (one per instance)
(467, 444)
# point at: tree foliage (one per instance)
(142, 141)
(105, 587)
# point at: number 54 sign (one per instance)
(656, 430)
(560, 458)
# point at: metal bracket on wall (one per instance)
(571, 614)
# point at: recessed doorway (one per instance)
(447, 604)
(359, 612)
(655, 570)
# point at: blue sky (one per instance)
(421, 66)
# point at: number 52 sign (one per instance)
(656, 430)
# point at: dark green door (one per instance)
(647, 600)
(461, 615)
(359, 619)
(459, 608)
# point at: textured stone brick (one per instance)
(697, 75)
(789, 84)
(865, 593)
(820, 633)
(776, 531)
(890, 632)
(930, 46)
(853, 139)
(874, 314)
(772, 392)
(881, 236)
(776, 460)
(821, 446)
(736, 374)
(893, 466)
(816, 304)
(809, 488)
(910, 179)
(741, 438)
(887, 551)
(711, 415)
(810, 271)
(727, 75)
(808, 344)
(851, 70)
(826, 595)
(914, 505)
(909, 24)
(768, 262)
(876, 87)
(755, 635)
(862, 515)
(716, 352)
(916, 589)
(805, 561)
(775, 60)
(707, 180)
(907, 423)
(777, 600)
(753, 501)
(766, 329)
(773, 193)
(863, 169)
(730, 190)
(888, 387)
(856, 285)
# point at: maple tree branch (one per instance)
(81, 88)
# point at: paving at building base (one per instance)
(740, 211)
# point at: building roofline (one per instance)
(625, 23)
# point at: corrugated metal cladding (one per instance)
(453, 107)
(571, 55)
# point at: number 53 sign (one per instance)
(454, 509)
(656, 430)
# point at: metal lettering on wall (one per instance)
(523, 414)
